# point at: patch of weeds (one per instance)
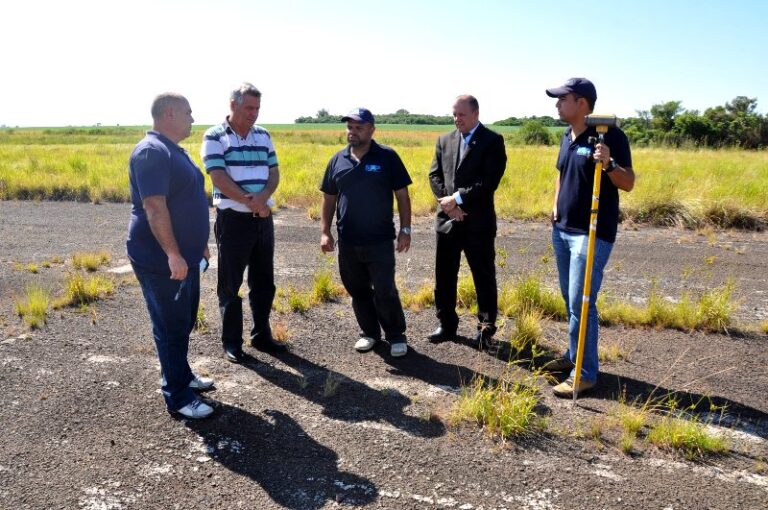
(465, 293)
(331, 385)
(280, 331)
(81, 291)
(505, 408)
(303, 382)
(422, 298)
(57, 260)
(626, 442)
(34, 306)
(501, 257)
(32, 268)
(46, 264)
(611, 352)
(711, 311)
(90, 261)
(630, 418)
(324, 288)
(764, 327)
(686, 435)
(596, 428)
(529, 293)
(298, 301)
(528, 331)
(201, 323)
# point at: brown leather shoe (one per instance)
(565, 388)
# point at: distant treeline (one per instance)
(735, 124)
(399, 117)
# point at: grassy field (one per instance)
(690, 187)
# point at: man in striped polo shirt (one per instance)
(240, 158)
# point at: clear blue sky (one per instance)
(80, 62)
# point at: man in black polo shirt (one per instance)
(358, 186)
(571, 217)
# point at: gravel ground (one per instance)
(322, 426)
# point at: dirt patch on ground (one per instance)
(323, 426)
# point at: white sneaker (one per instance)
(365, 344)
(398, 349)
(201, 383)
(197, 409)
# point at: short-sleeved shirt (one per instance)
(577, 170)
(247, 160)
(158, 166)
(364, 193)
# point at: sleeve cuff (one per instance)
(457, 196)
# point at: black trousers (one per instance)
(244, 241)
(368, 274)
(481, 253)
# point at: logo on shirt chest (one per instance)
(584, 151)
(373, 168)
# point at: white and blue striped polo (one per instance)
(246, 160)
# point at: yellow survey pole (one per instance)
(601, 123)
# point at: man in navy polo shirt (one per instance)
(571, 217)
(358, 186)
(167, 244)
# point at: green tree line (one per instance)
(401, 116)
(735, 124)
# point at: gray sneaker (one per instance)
(196, 410)
(398, 349)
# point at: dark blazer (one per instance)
(475, 178)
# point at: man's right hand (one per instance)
(178, 267)
(456, 214)
(327, 244)
(257, 204)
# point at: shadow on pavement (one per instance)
(295, 470)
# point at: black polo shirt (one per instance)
(577, 170)
(364, 203)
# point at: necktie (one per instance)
(463, 146)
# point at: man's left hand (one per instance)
(403, 242)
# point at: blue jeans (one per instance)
(571, 255)
(172, 306)
(368, 274)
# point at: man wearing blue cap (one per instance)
(358, 185)
(571, 218)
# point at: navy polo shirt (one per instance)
(364, 190)
(160, 167)
(577, 170)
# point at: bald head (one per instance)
(470, 100)
(165, 101)
(466, 113)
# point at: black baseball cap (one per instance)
(579, 86)
(363, 115)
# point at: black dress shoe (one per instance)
(442, 334)
(484, 339)
(235, 355)
(265, 343)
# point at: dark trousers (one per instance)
(368, 274)
(481, 253)
(244, 241)
(172, 306)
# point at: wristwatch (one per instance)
(405, 230)
(611, 166)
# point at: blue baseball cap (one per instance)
(579, 86)
(363, 115)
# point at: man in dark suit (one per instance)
(465, 173)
